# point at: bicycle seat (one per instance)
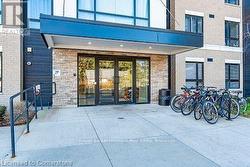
(221, 90)
(237, 91)
(211, 87)
(183, 87)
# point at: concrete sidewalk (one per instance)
(4, 141)
(5, 145)
(132, 135)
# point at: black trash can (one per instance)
(164, 97)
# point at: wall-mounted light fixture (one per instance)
(29, 63)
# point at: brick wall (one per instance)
(65, 60)
(11, 48)
(159, 75)
(12, 60)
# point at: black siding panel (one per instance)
(246, 42)
(41, 69)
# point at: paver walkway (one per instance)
(133, 135)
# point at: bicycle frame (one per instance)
(220, 101)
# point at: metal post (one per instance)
(35, 101)
(229, 112)
(27, 112)
(12, 129)
(41, 101)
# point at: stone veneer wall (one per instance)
(65, 60)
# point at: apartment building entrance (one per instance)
(113, 80)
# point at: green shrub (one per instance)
(248, 99)
(2, 111)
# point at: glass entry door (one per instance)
(86, 81)
(125, 84)
(106, 76)
(113, 80)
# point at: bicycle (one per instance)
(208, 96)
(242, 101)
(225, 104)
(197, 103)
(176, 101)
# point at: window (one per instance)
(132, 12)
(64, 8)
(234, 2)
(194, 74)
(1, 73)
(194, 24)
(142, 12)
(232, 35)
(1, 11)
(142, 81)
(118, 7)
(232, 76)
(35, 8)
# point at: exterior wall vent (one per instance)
(211, 16)
(210, 60)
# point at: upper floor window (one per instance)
(234, 2)
(232, 76)
(194, 24)
(132, 12)
(65, 8)
(232, 34)
(194, 74)
(35, 8)
(1, 11)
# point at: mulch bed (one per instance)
(5, 121)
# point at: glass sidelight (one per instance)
(106, 82)
(125, 87)
(142, 81)
(86, 81)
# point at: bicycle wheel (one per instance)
(231, 106)
(210, 112)
(234, 109)
(176, 102)
(198, 112)
(243, 105)
(188, 106)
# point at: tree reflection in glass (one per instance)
(142, 81)
(125, 81)
(106, 81)
(86, 76)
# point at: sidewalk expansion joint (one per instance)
(106, 152)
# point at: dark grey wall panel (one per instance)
(246, 42)
(40, 71)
